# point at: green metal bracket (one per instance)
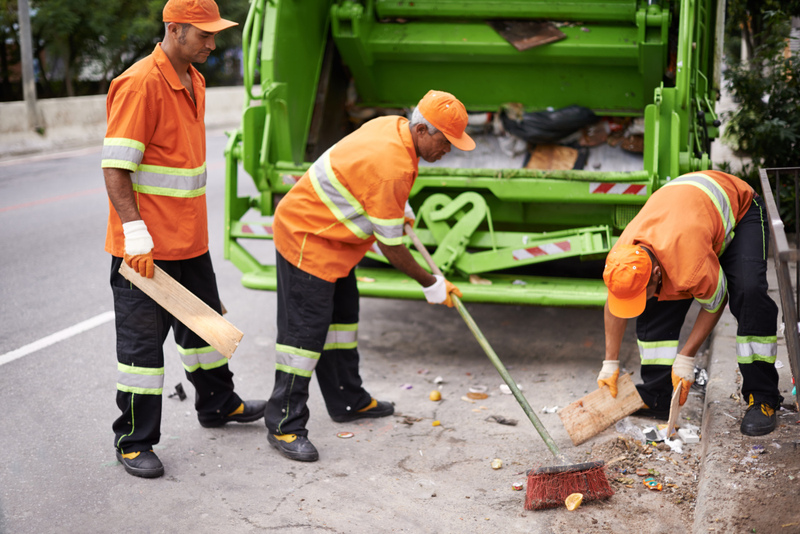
(452, 240)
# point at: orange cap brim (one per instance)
(464, 142)
(627, 308)
(216, 26)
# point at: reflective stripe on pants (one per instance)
(307, 307)
(142, 327)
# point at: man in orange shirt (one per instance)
(353, 196)
(703, 237)
(154, 164)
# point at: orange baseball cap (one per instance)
(626, 275)
(202, 14)
(446, 113)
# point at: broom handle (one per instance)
(523, 402)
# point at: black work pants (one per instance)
(317, 332)
(142, 327)
(744, 263)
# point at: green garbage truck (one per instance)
(517, 231)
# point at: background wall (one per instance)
(81, 121)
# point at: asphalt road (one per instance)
(57, 467)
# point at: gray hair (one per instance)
(417, 118)
(184, 27)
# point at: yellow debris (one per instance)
(574, 501)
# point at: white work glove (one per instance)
(138, 248)
(439, 292)
(683, 374)
(408, 215)
(608, 376)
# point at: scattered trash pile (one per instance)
(642, 466)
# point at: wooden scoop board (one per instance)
(593, 413)
(674, 411)
(198, 316)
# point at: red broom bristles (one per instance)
(549, 487)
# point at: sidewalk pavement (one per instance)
(747, 484)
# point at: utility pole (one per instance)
(28, 81)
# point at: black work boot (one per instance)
(294, 447)
(374, 409)
(247, 412)
(759, 419)
(143, 464)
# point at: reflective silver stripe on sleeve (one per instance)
(717, 298)
(392, 233)
(122, 153)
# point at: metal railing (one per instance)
(783, 254)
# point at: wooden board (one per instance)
(525, 34)
(552, 158)
(198, 316)
(593, 413)
(674, 411)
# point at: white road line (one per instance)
(58, 336)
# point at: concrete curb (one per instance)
(721, 418)
(723, 487)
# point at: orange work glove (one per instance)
(138, 248)
(683, 375)
(608, 376)
(451, 290)
(440, 291)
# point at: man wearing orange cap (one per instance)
(154, 164)
(703, 237)
(354, 196)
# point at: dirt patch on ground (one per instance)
(635, 508)
(765, 480)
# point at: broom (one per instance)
(549, 486)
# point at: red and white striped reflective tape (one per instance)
(542, 250)
(603, 188)
(257, 229)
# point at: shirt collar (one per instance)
(408, 141)
(166, 68)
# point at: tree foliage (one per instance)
(81, 45)
(766, 124)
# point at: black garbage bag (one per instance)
(549, 126)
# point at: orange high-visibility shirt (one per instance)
(352, 195)
(157, 132)
(687, 223)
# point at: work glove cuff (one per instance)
(409, 212)
(683, 367)
(436, 293)
(609, 368)
(137, 238)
